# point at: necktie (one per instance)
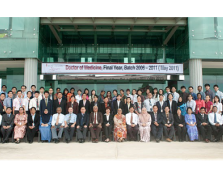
(37, 105)
(72, 105)
(8, 115)
(167, 117)
(46, 102)
(203, 116)
(215, 119)
(95, 118)
(20, 102)
(69, 119)
(155, 117)
(59, 101)
(42, 96)
(82, 119)
(57, 122)
(150, 104)
(11, 103)
(131, 118)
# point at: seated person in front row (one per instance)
(179, 123)
(45, 126)
(132, 124)
(190, 121)
(215, 120)
(70, 121)
(57, 123)
(33, 124)
(108, 123)
(82, 123)
(168, 121)
(128, 105)
(157, 124)
(7, 124)
(95, 121)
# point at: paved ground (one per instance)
(112, 150)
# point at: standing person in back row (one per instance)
(59, 103)
(191, 91)
(199, 89)
(85, 103)
(209, 92)
(118, 104)
(183, 94)
(46, 104)
(149, 103)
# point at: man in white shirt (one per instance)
(160, 104)
(191, 103)
(41, 93)
(128, 94)
(167, 92)
(57, 123)
(148, 103)
(134, 96)
(132, 124)
(23, 89)
(26, 102)
(35, 102)
(175, 94)
(78, 96)
(218, 93)
(215, 120)
(17, 102)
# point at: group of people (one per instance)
(123, 115)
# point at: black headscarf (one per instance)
(46, 118)
(180, 103)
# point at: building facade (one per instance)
(26, 43)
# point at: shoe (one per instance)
(43, 141)
(168, 140)
(80, 141)
(83, 140)
(157, 140)
(30, 142)
(66, 141)
(93, 140)
(55, 140)
(3, 142)
(207, 141)
(216, 140)
(96, 140)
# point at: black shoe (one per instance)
(3, 141)
(80, 141)
(157, 140)
(30, 142)
(216, 140)
(83, 140)
(67, 140)
(55, 141)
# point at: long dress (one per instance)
(119, 132)
(144, 131)
(19, 131)
(45, 130)
(191, 130)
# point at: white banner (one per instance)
(111, 68)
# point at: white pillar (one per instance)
(30, 72)
(196, 76)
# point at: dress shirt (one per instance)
(0, 119)
(191, 104)
(118, 103)
(7, 102)
(51, 97)
(32, 103)
(78, 98)
(202, 116)
(6, 95)
(175, 96)
(24, 95)
(203, 96)
(170, 105)
(155, 116)
(149, 104)
(17, 104)
(107, 117)
(96, 117)
(33, 118)
(14, 96)
(219, 94)
(61, 119)
(161, 104)
(134, 120)
(210, 93)
(41, 96)
(130, 95)
(72, 117)
(166, 96)
(26, 103)
(219, 106)
(134, 98)
(211, 118)
(193, 95)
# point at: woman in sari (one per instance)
(120, 131)
(138, 105)
(182, 106)
(190, 121)
(45, 125)
(144, 125)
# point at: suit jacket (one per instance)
(33, 95)
(8, 121)
(136, 106)
(171, 119)
(62, 104)
(75, 107)
(126, 109)
(87, 106)
(115, 106)
(36, 120)
(1, 107)
(49, 106)
(92, 105)
(85, 121)
(159, 106)
(102, 107)
(110, 120)
(99, 118)
(178, 120)
(159, 118)
(201, 120)
(173, 107)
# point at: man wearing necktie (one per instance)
(59, 103)
(17, 102)
(132, 124)
(96, 120)
(82, 123)
(148, 103)
(216, 124)
(46, 104)
(84, 103)
(70, 121)
(203, 125)
(168, 121)
(157, 124)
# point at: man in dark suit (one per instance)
(46, 103)
(203, 125)
(127, 106)
(2, 97)
(72, 104)
(33, 124)
(118, 104)
(7, 124)
(96, 120)
(84, 103)
(95, 103)
(157, 124)
(171, 104)
(168, 127)
(104, 105)
(59, 103)
(82, 123)
(33, 89)
(160, 104)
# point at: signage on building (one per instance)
(111, 68)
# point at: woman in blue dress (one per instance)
(45, 127)
(182, 106)
(191, 125)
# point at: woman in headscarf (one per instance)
(120, 131)
(45, 125)
(144, 125)
(190, 121)
(182, 106)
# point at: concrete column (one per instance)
(130, 47)
(95, 47)
(196, 75)
(30, 72)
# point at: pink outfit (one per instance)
(199, 104)
(19, 131)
